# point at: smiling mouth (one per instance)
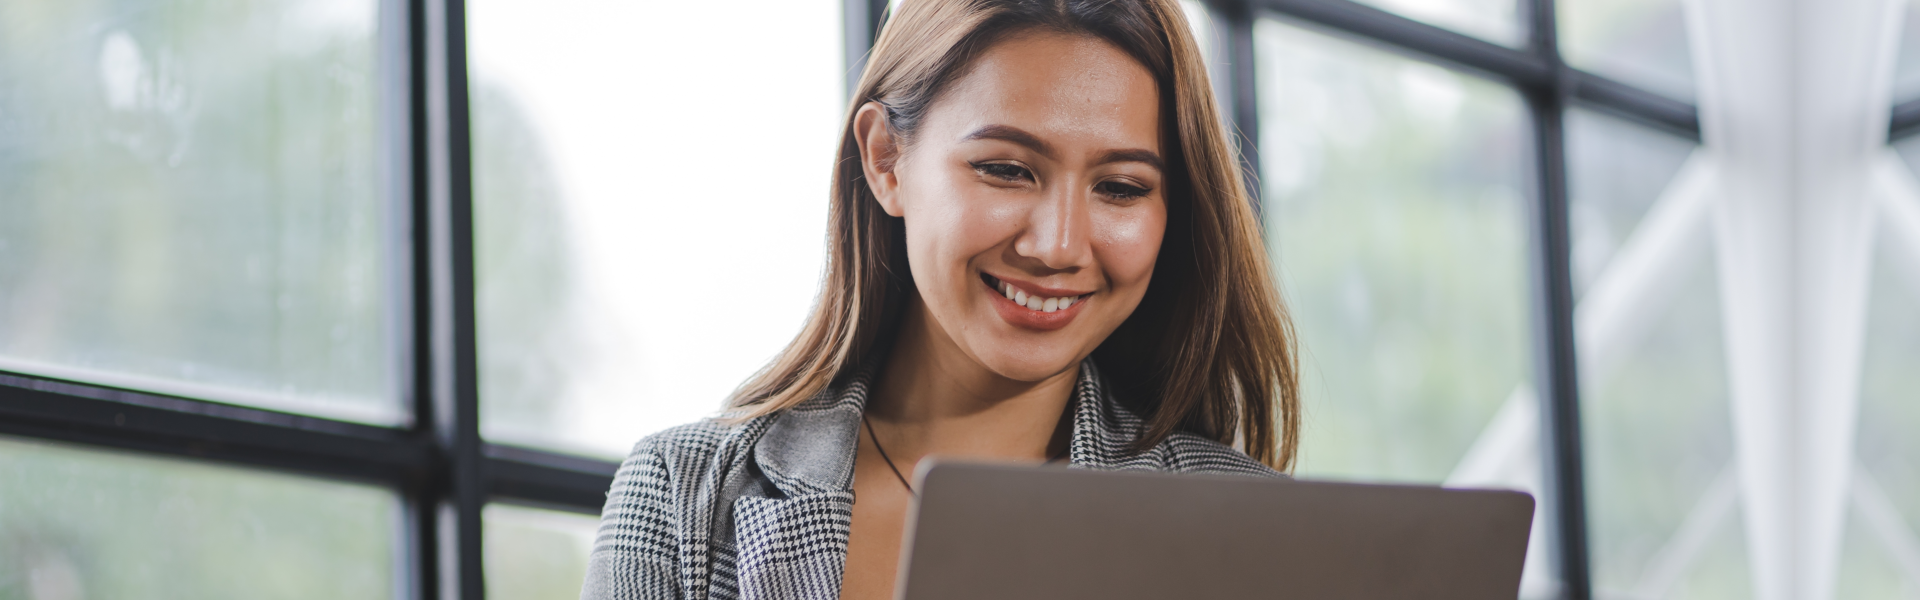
(1020, 297)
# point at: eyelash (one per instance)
(1004, 171)
(1121, 190)
(1009, 172)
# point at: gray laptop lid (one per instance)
(1014, 532)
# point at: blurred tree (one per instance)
(194, 197)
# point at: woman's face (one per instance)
(1034, 201)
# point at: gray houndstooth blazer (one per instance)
(760, 509)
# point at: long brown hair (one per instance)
(1210, 349)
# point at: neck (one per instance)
(933, 399)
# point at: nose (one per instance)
(1058, 229)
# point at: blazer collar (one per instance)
(810, 448)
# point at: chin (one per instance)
(1032, 365)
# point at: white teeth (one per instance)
(1037, 303)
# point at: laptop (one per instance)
(1022, 532)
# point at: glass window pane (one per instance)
(82, 523)
(1497, 21)
(650, 232)
(536, 554)
(1663, 506)
(1867, 568)
(1639, 42)
(1663, 500)
(1906, 65)
(1618, 171)
(195, 201)
(1393, 194)
(1886, 506)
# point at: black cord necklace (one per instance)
(896, 470)
(883, 455)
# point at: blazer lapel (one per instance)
(1103, 432)
(795, 545)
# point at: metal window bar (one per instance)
(1531, 68)
(1233, 22)
(1905, 121)
(1556, 367)
(448, 386)
(411, 461)
(863, 19)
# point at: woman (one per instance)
(1040, 251)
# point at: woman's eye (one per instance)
(1004, 171)
(1121, 190)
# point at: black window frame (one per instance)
(1549, 87)
(446, 473)
(1905, 121)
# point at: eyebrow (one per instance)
(1134, 155)
(1008, 133)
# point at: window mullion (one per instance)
(423, 495)
(451, 406)
(1555, 361)
(863, 20)
(1427, 41)
(1905, 121)
(1242, 103)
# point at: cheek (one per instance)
(1128, 241)
(949, 222)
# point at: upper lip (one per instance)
(1034, 289)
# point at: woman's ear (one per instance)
(878, 155)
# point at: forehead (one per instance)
(1068, 88)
